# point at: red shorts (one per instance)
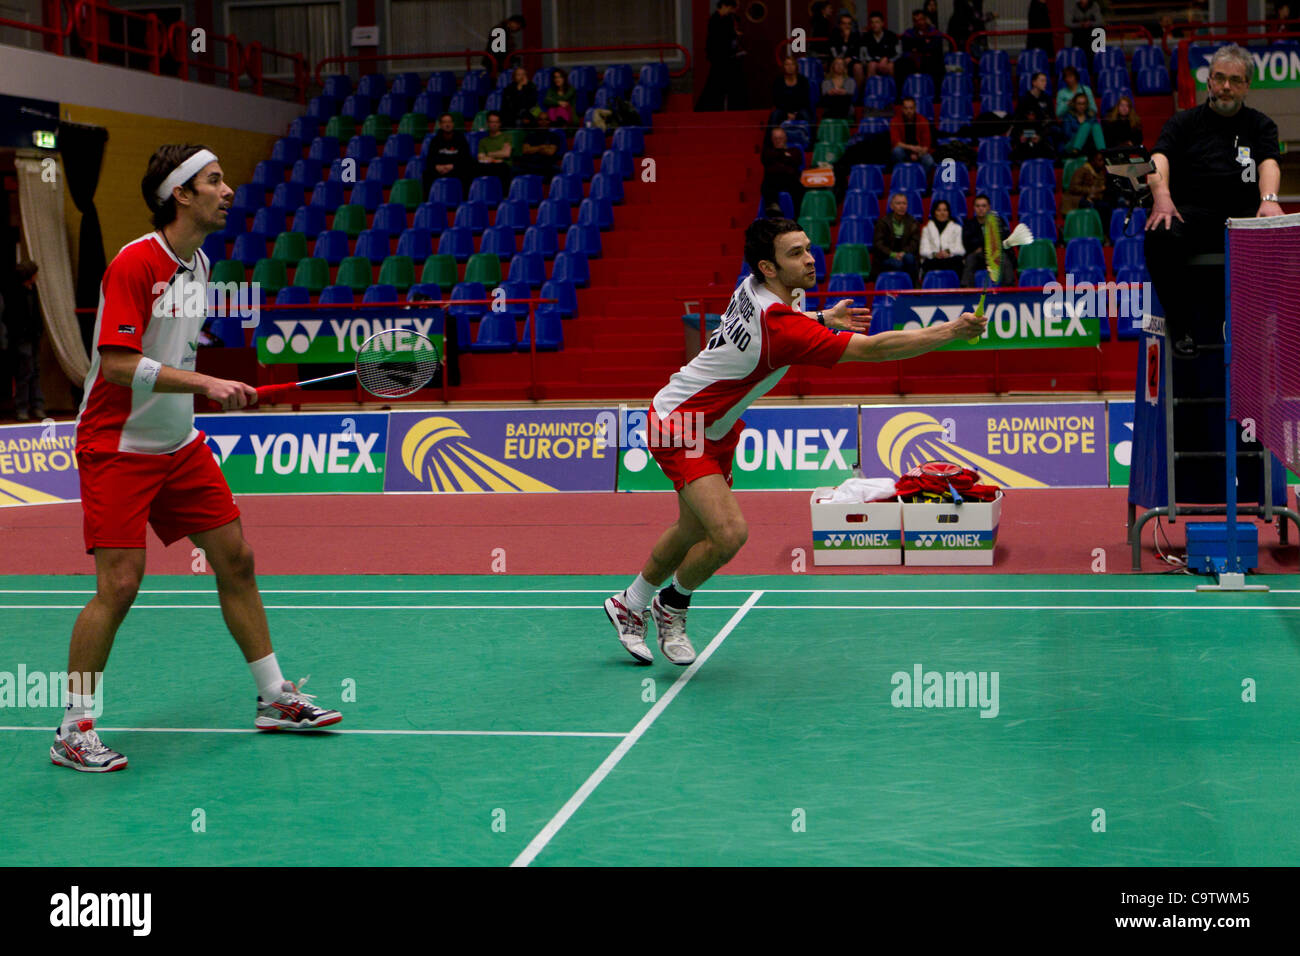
(179, 494)
(684, 464)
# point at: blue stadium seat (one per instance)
(331, 245)
(357, 107)
(941, 279)
(992, 176)
(915, 205)
(472, 215)
(268, 222)
(378, 294)
(383, 170)
(568, 188)
(1037, 172)
(407, 84)
(304, 128)
(373, 244)
(485, 189)
(783, 199)
(550, 330)
(999, 101)
(446, 191)
(400, 146)
(467, 291)
(819, 261)
(868, 177)
(293, 295)
(321, 108)
(1136, 227)
(1106, 102)
(249, 248)
(564, 294)
(362, 148)
(581, 165)
(618, 162)
(214, 247)
(919, 86)
(513, 213)
(606, 186)
(1111, 80)
(856, 229)
(337, 295)
(1037, 199)
(543, 240)
(527, 187)
(306, 173)
(629, 139)
(994, 62)
(392, 107)
(1082, 252)
(496, 333)
(1036, 277)
(994, 149)
(571, 267)
(528, 267)
(861, 205)
(286, 150)
(811, 68)
(499, 240)
(1041, 225)
(427, 291)
(851, 285)
(1072, 56)
(457, 241)
(907, 177)
(431, 216)
(957, 86)
(309, 220)
(516, 289)
(555, 213)
(429, 104)
(584, 239)
(368, 193)
(327, 196)
(1031, 61)
(372, 85)
(893, 279)
(1000, 201)
(1110, 57)
(596, 212)
(390, 217)
(415, 242)
(589, 141)
(1129, 251)
(441, 83)
(324, 149)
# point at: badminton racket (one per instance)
(993, 246)
(390, 364)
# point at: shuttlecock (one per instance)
(1020, 236)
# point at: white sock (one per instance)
(639, 594)
(80, 707)
(270, 682)
(681, 588)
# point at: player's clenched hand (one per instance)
(230, 395)
(845, 316)
(969, 326)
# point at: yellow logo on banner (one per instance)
(12, 493)
(433, 452)
(907, 440)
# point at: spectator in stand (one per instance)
(1040, 18)
(561, 99)
(922, 50)
(968, 17)
(540, 152)
(897, 239)
(519, 100)
(1085, 16)
(448, 155)
(838, 91)
(1032, 124)
(791, 96)
(909, 135)
(501, 59)
(1122, 126)
(1087, 188)
(1288, 23)
(725, 88)
(819, 29)
(941, 243)
(879, 46)
(1070, 87)
(782, 169)
(1080, 125)
(494, 150)
(23, 321)
(931, 10)
(846, 42)
(972, 240)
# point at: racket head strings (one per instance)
(397, 362)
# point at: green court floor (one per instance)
(496, 720)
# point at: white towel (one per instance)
(863, 490)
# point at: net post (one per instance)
(1230, 440)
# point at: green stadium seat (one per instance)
(834, 131)
(417, 124)
(227, 270)
(378, 126)
(851, 258)
(290, 247)
(826, 154)
(271, 274)
(480, 121)
(440, 269)
(398, 271)
(483, 267)
(1067, 171)
(356, 272)
(409, 192)
(1083, 222)
(1039, 254)
(342, 128)
(312, 274)
(350, 219)
(818, 204)
(818, 230)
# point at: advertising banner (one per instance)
(534, 449)
(37, 465)
(299, 454)
(1022, 320)
(1119, 429)
(1040, 445)
(307, 336)
(1277, 66)
(782, 447)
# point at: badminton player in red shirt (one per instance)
(142, 461)
(759, 338)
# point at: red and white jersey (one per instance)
(152, 303)
(758, 340)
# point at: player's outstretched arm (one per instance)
(119, 366)
(891, 346)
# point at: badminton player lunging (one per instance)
(143, 462)
(760, 336)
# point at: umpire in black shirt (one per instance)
(1214, 161)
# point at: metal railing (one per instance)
(1123, 28)
(469, 56)
(614, 48)
(1194, 25)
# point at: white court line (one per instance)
(606, 591)
(547, 832)
(698, 607)
(351, 607)
(411, 733)
(1026, 607)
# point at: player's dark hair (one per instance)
(517, 18)
(985, 197)
(912, 98)
(760, 240)
(441, 115)
(161, 163)
(875, 13)
(492, 113)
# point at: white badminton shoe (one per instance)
(670, 623)
(630, 625)
(293, 710)
(81, 749)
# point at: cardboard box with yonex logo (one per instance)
(850, 532)
(951, 534)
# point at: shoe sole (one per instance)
(73, 765)
(300, 725)
(648, 659)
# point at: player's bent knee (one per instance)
(730, 539)
(119, 592)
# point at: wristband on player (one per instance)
(821, 317)
(1268, 197)
(146, 375)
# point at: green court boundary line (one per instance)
(408, 733)
(547, 833)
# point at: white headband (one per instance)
(184, 172)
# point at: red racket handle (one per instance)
(270, 392)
